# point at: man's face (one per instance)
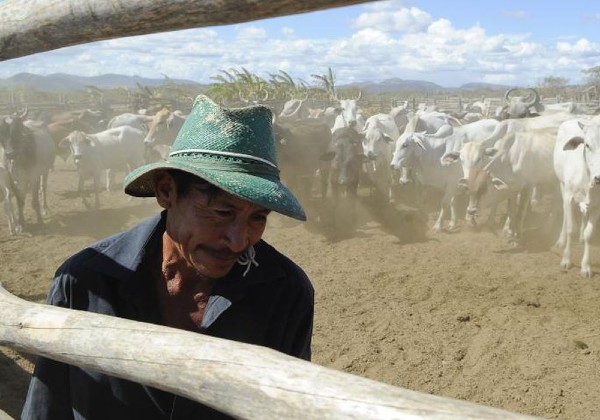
(209, 232)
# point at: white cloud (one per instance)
(403, 20)
(582, 47)
(250, 33)
(390, 39)
(519, 14)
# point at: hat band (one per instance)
(257, 167)
(216, 152)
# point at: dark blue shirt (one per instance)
(271, 306)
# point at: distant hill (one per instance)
(399, 85)
(394, 85)
(65, 82)
(483, 86)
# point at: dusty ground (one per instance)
(460, 314)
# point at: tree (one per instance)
(552, 86)
(235, 83)
(593, 76)
(327, 81)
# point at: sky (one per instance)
(448, 42)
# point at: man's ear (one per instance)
(164, 189)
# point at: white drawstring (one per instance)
(248, 260)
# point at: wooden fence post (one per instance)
(242, 380)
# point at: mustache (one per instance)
(221, 253)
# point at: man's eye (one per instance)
(261, 218)
(223, 212)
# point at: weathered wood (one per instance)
(243, 380)
(32, 26)
(5, 416)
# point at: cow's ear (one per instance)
(498, 184)
(88, 141)
(328, 156)
(573, 143)
(387, 139)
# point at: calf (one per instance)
(60, 129)
(577, 166)
(105, 151)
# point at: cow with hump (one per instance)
(577, 166)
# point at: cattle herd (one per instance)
(508, 158)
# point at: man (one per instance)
(200, 266)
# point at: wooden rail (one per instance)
(242, 380)
(32, 26)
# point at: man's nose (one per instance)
(238, 236)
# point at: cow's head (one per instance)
(16, 138)
(519, 106)
(590, 139)
(79, 143)
(408, 146)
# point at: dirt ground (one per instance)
(461, 314)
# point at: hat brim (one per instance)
(263, 190)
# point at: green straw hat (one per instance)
(233, 149)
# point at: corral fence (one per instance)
(370, 104)
(242, 380)
(238, 379)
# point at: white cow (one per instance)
(519, 163)
(401, 114)
(138, 121)
(106, 151)
(380, 135)
(423, 154)
(577, 166)
(350, 115)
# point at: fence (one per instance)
(270, 385)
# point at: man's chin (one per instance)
(215, 269)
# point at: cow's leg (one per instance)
(8, 210)
(562, 236)
(509, 225)
(35, 198)
(109, 179)
(437, 226)
(96, 190)
(80, 190)
(43, 193)
(565, 263)
(586, 266)
(453, 220)
(535, 195)
(20, 214)
(522, 209)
